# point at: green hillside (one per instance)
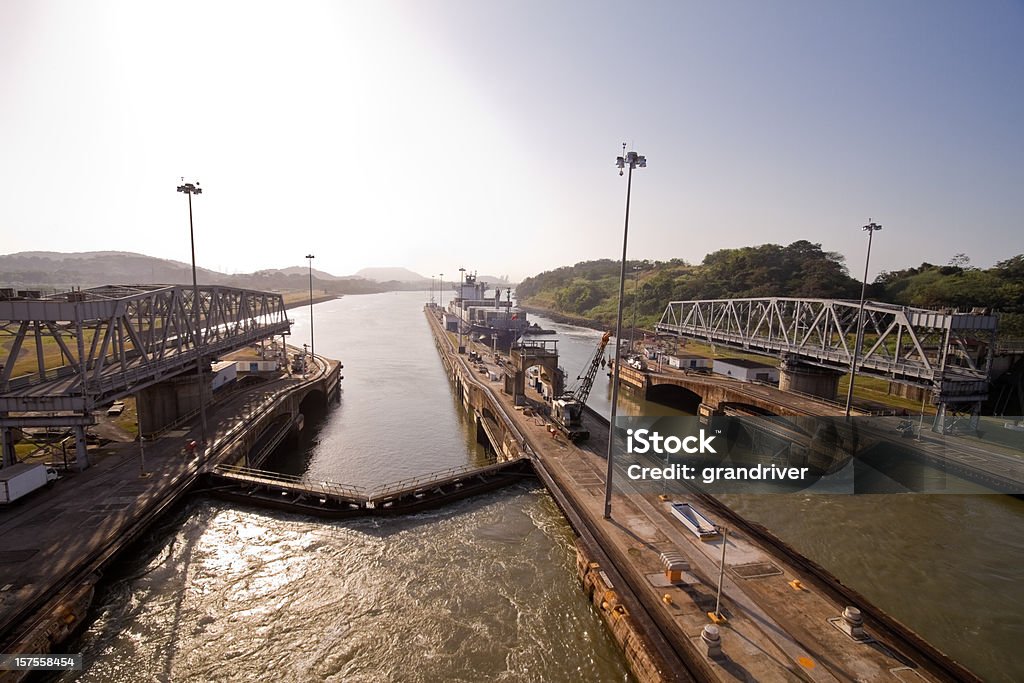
(589, 289)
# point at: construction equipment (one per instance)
(567, 409)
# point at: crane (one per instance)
(567, 409)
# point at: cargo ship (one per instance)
(486, 318)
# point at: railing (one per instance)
(291, 481)
(912, 345)
(1011, 345)
(425, 481)
(353, 493)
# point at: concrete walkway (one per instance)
(775, 631)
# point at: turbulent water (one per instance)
(484, 590)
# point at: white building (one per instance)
(746, 370)
(224, 372)
(688, 361)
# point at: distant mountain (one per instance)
(58, 270)
(391, 275)
(304, 271)
(51, 270)
(406, 276)
(494, 280)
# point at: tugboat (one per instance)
(486, 318)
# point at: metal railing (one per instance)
(915, 346)
(291, 481)
(431, 479)
(354, 493)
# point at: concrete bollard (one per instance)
(853, 623)
(712, 640)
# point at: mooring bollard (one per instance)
(712, 640)
(853, 623)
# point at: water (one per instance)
(948, 566)
(485, 589)
(398, 416)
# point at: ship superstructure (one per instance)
(488, 318)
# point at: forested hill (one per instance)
(589, 289)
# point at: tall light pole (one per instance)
(142, 439)
(871, 228)
(440, 291)
(636, 295)
(632, 160)
(312, 344)
(191, 189)
(462, 281)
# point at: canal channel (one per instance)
(486, 589)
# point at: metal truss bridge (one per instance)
(946, 352)
(71, 352)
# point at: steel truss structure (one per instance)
(948, 353)
(72, 352)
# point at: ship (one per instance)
(486, 318)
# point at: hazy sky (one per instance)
(434, 134)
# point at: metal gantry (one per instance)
(73, 351)
(946, 352)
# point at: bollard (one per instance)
(853, 623)
(712, 640)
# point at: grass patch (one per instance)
(300, 297)
(128, 420)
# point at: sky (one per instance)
(441, 134)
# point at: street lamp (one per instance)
(440, 291)
(312, 344)
(142, 438)
(636, 295)
(191, 189)
(632, 160)
(462, 282)
(871, 228)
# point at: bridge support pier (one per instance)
(943, 424)
(707, 410)
(81, 451)
(163, 403)
(808, 379)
